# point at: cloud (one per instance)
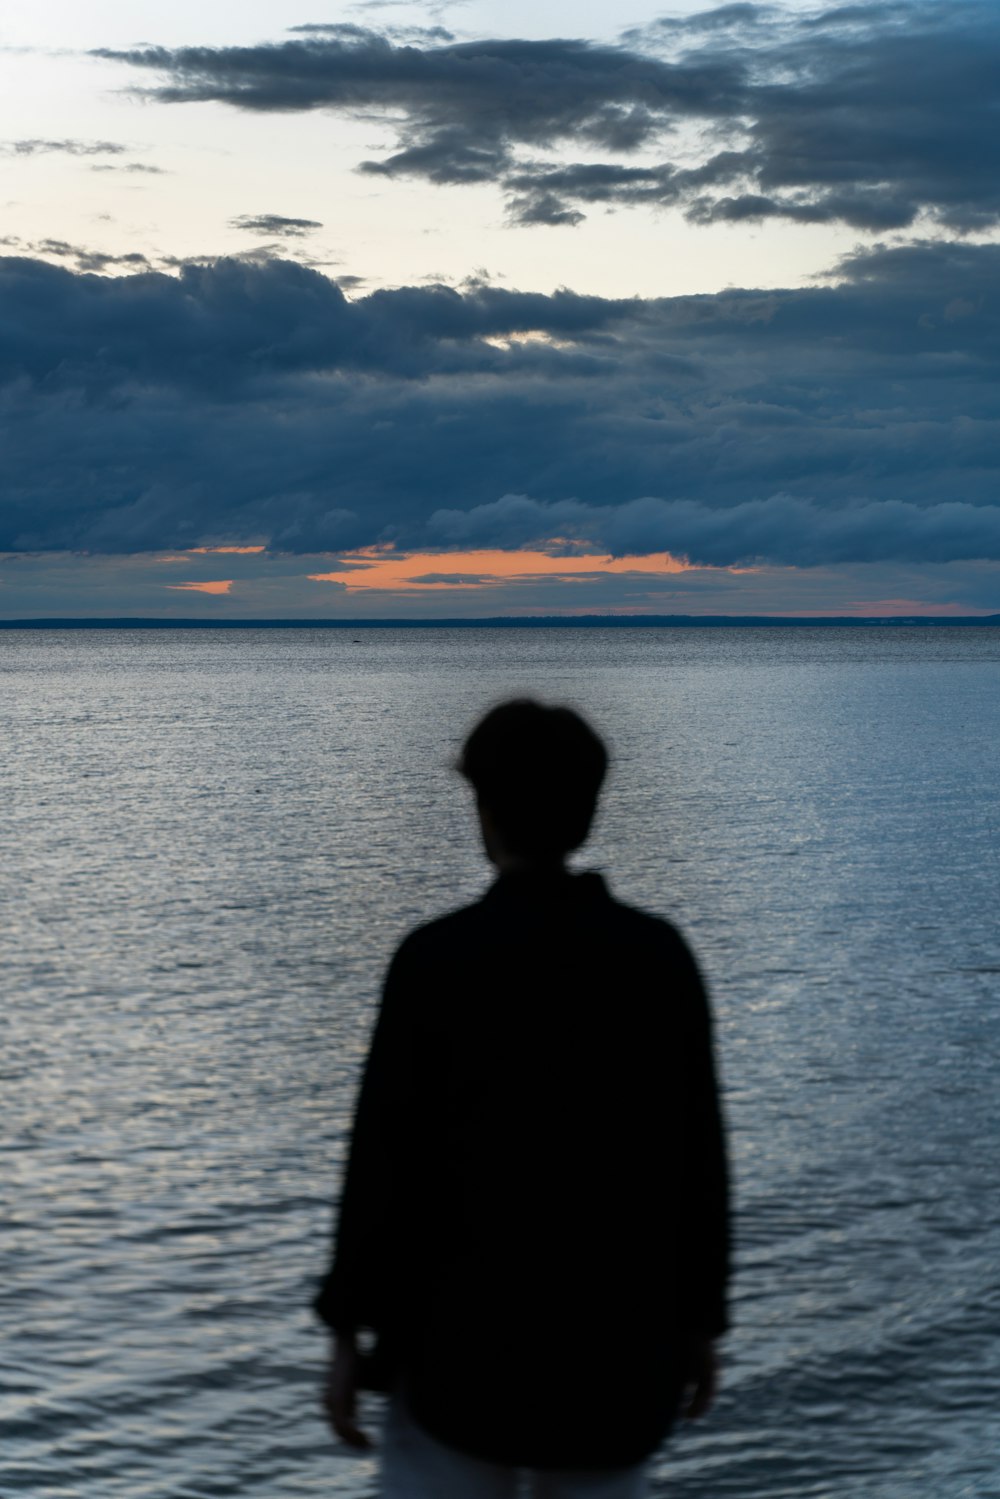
(241, 402)
(131, 166)
(65, 147)
(874, 116)
(780, 529)
(723, 18)
(347, 30)
(275, 223)
(28, 148)
(84, 258)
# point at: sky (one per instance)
(466, 309)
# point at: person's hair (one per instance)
(537, 770)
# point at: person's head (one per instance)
(536, 772)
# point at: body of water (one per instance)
(210, 844)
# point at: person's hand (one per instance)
(701, 1379)
(340, 1394)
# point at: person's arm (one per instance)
(340, 1389)
(701, 1378)
(353, 1294)
(705, 1263)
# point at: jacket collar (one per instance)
(547, 886)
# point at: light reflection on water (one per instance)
(211, 843)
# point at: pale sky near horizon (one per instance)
(828, 449)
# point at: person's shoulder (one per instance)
(649, 926)
(440, 933)
(652, 940)
(659, 951)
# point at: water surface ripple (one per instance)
(210, 844)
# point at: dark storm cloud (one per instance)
(780, 528)
(275, 223)
(869, 115)
(252, 401)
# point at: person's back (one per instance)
(534, 1219)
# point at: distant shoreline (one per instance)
(527, 622)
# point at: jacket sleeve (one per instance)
(356, 1289)
(705, 1250)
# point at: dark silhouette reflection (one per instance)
(533, 1223)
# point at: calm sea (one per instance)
(211, 842)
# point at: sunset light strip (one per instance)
(377, 568)
(219, 585)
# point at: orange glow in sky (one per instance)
(221, 585)
(239, 551)
(381, 568)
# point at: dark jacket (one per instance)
(534, 1215)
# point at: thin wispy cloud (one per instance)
(140, 167)
(63, 147)
(28, 149)
(276, 224)
(83, 257)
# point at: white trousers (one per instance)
(416, 1466)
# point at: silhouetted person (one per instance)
(533, 1223)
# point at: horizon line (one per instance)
(502, 621)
